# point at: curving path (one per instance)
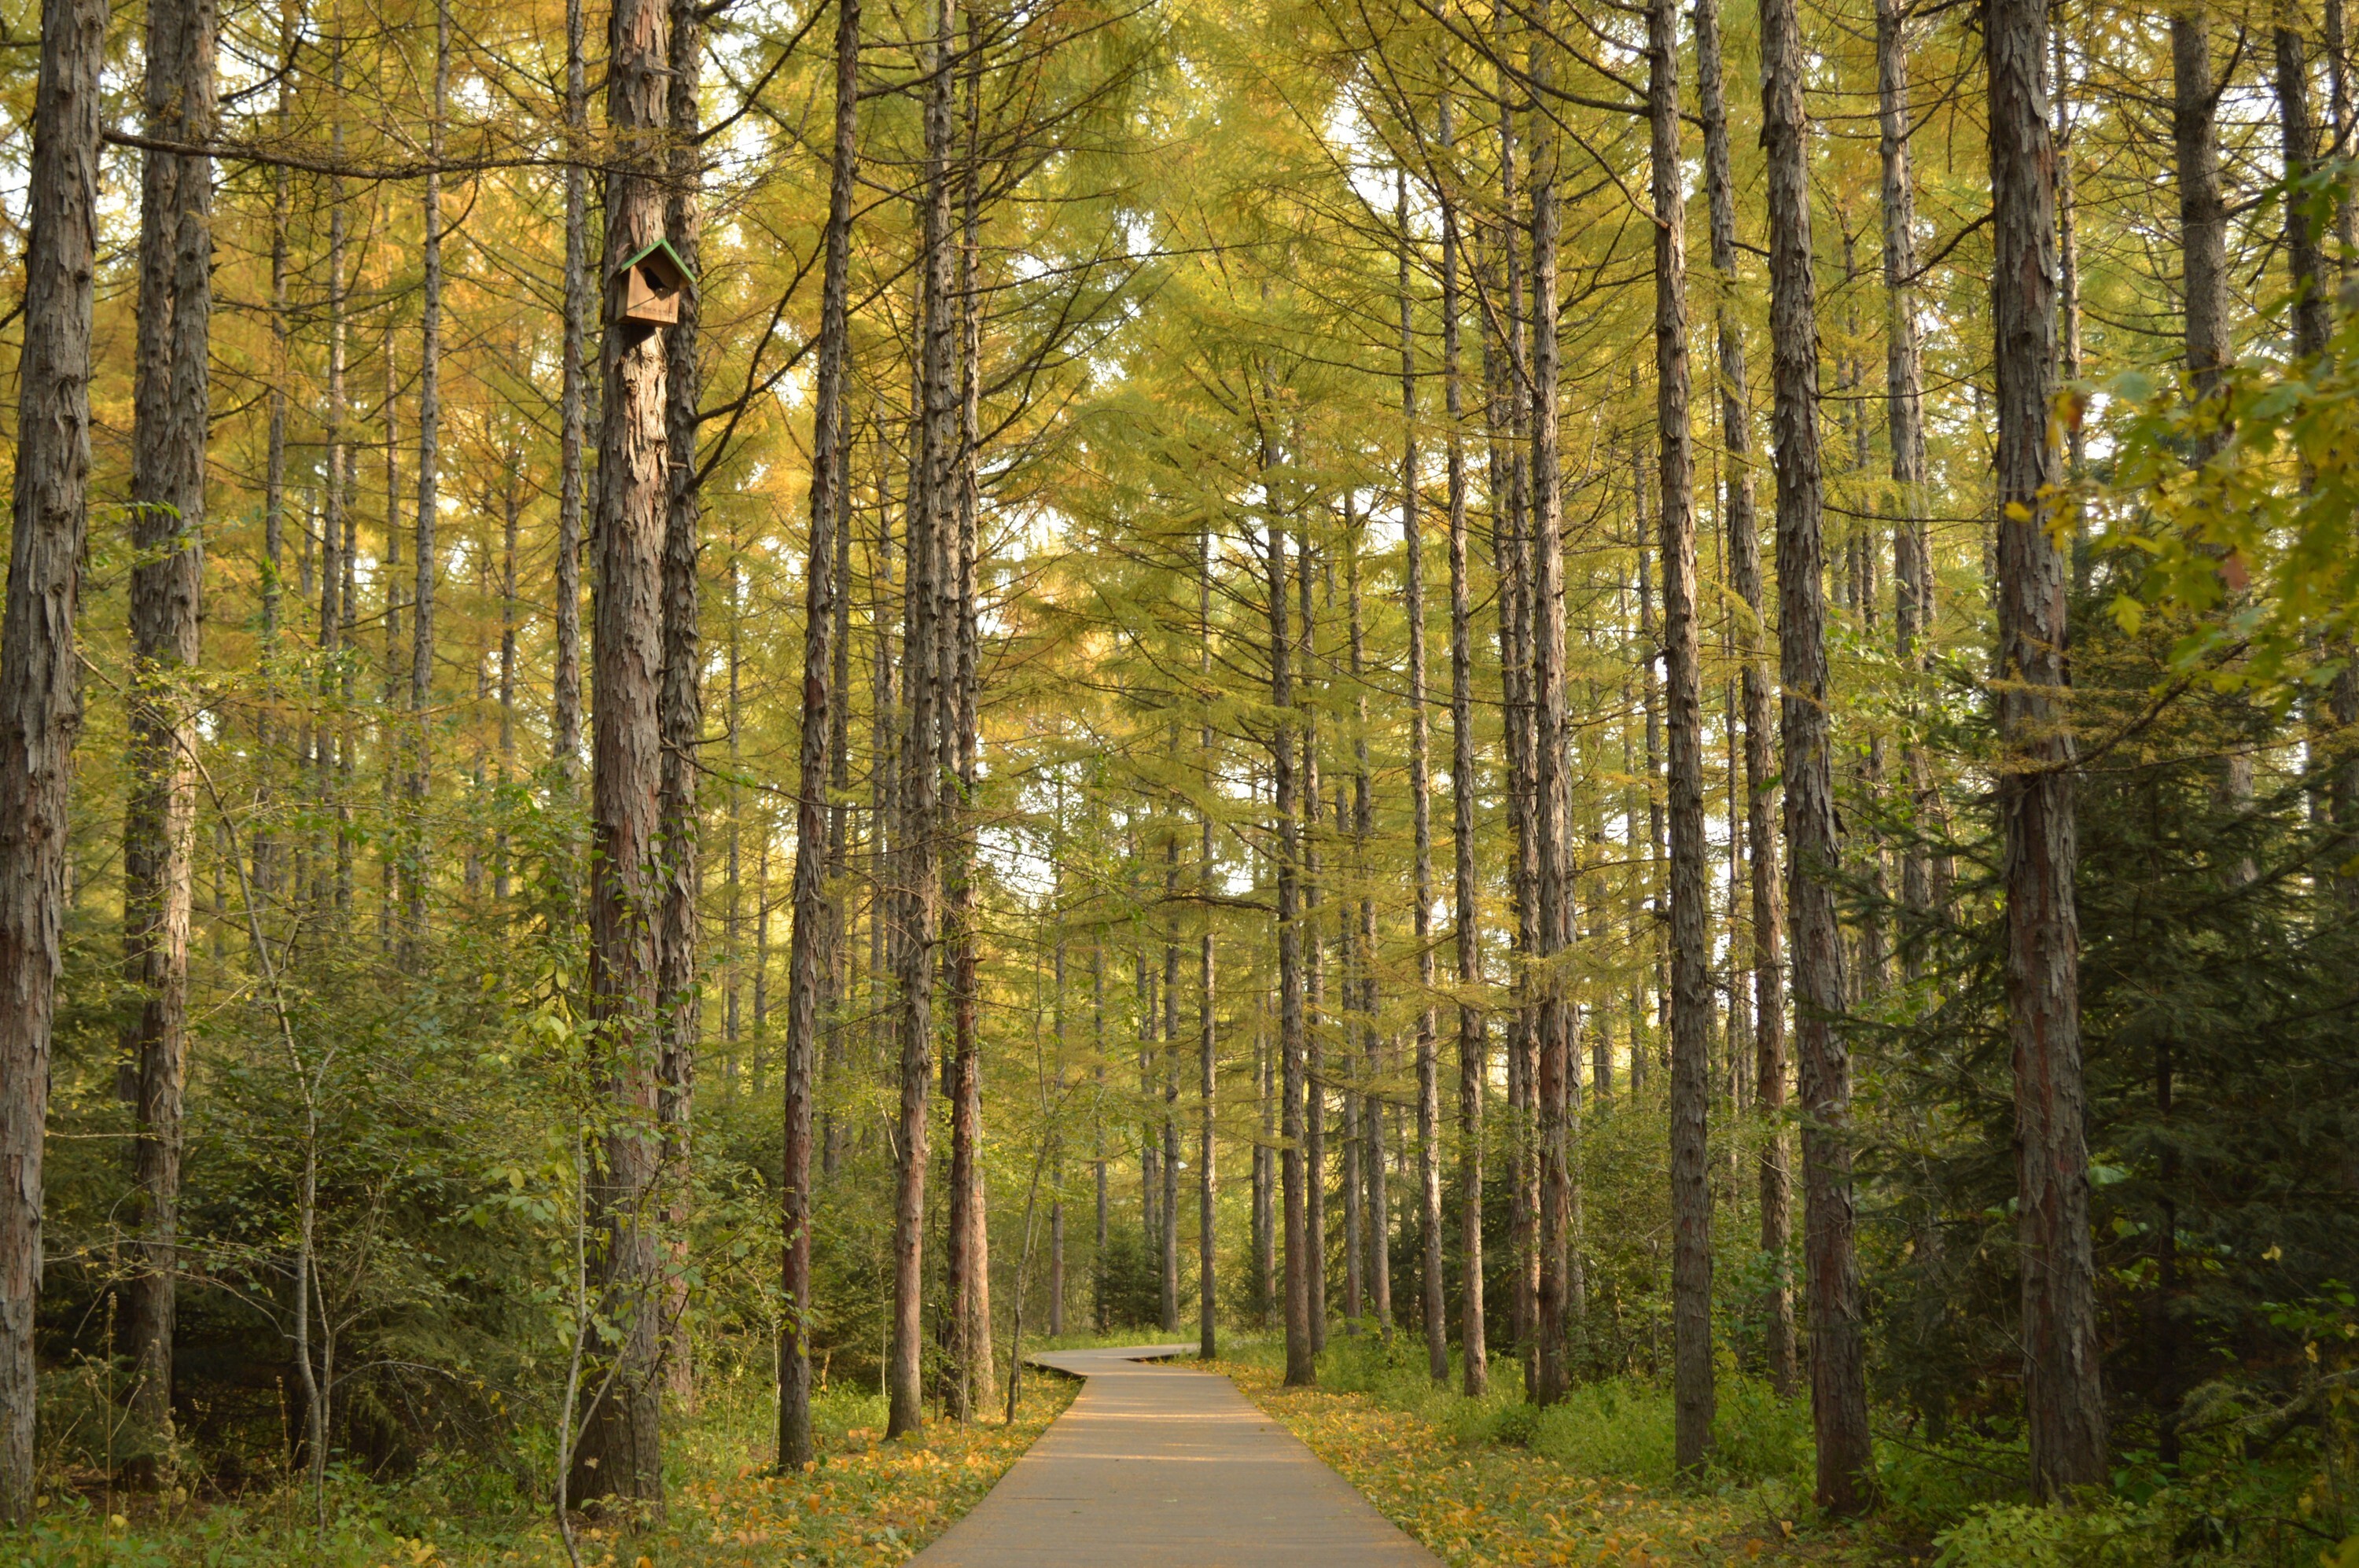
(1155, 1464)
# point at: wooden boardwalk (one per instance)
(1155, 1464)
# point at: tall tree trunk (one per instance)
(1690, 976)
(682, 701)
(565, 704)
(1474, 1047)
(974, 1377)
(836, 972)
(1314, 970)
(261, 841)
(1102, 1314)
(2203, 216)
(1511, 556)
(620, 1452)
(1553, 1302)
(1838, 1374)
(1057, 1205)
(1767, 923)
(1431, 1313)
(2068, 217)
(1168, 1262)
(430, 509)
(1377, 1216)
(511, 517)
(2305, 263)
(1301, 1370)
(1265, 1153)
(1207, 1047)
(2063, 1398)
(168, 499)
(40, 703)
(933, 522)
(821, 721)
(1904, 407)
(2339, 128)
(341, 479)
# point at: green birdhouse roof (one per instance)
(671, 255)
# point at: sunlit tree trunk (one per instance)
(1838, 1375)
(1744, 543)
(430, 510)
(40, 708)
(930, 595)
(170, 401)
(1510, 479)
(2202, 215)
(620, 1452)
(2063, 1399)
(970, 1238)
(1376, 1215)
(565, 700)
(821, 721)
(1554, 1299)
(1903, 405)
(1314, 969)
(1474, 1047)
(682, 699)
(1691, 1005)
(1301, 1370)
(1432, 1314)
(2305, 263)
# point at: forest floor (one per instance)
(867, 1503)
(1475, 1501)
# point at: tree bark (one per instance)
(565, 704)
(170, 402)
(1838, 1374)
(430, 509)
(40, 706)
(620, 1454)
(681, 700)
(1691, 1005)
(1553, 1302)
(2203, 216)
(820, 723)
(2305, 263)
(932, 527)
(1207, 1046)
(1904, 408)
(1301, 1371)
(1510, 478)
(1473, 1046)
(1376, 1215)
(975, 1380)
(2063, 1401)
(1431, 1313)
(1768, 922)
(1314, 969)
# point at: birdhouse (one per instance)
(653, 282)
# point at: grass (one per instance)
(1491, 1481)
(865, 1502)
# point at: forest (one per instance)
(1625, 729)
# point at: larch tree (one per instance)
(171, 402)
(2063, 1397)
(1838, 1370)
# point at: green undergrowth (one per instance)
(1618, 1427)
(866, 1502)
(1606, 1453)
(1491, 1481)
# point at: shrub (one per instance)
(2020, 1535)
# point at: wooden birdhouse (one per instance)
(653, 282)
